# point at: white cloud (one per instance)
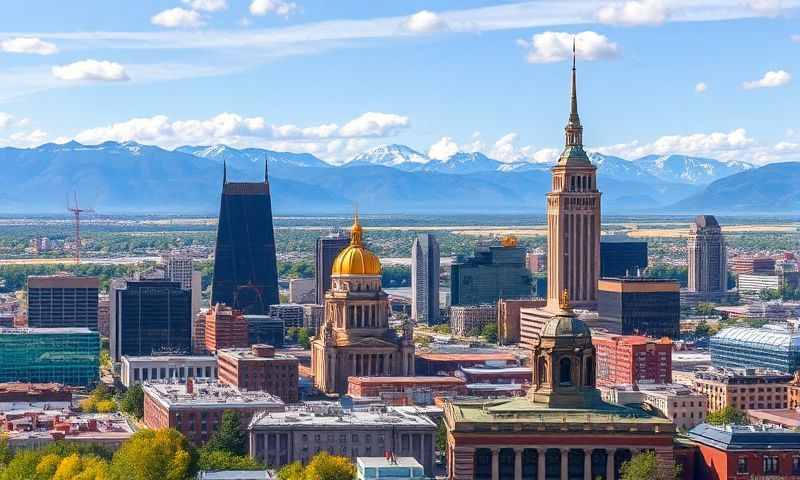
(769, 80)
(443, 149)
(644, 12)
(235, 129)
(701, 87)
(91, 70)
(717, 144)
(31, 45)
(28, 139)
(767, 7)
(279, 7)
(5, 119)
(796, 38)
(545, 155)
(207, 5)
(177, 18)
(425, 21)
(550, 47)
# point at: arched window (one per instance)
(565, 372)
(541, 375)
(589, 372)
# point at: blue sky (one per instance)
(701, 77)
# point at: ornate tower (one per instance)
(355, 339)
(564, 362)
(573, 219)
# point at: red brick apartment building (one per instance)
(259, 368)
(375, 386)
(225, 328)
(630, 359)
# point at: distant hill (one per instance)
(772, 189)
(132, 178)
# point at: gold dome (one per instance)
(355, 259)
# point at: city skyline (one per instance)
(249, 74)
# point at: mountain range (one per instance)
(132, 178)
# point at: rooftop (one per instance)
(45, 331)
(630, 339)
(770, 336)
(169, 359)
(745, 437)
(235, 475)
(787, 417)
(401, 380)
(323, 414)
(483, 370)
(378, 462)
(724, 374)
(255, 352)
(207, 394)
(466, 357)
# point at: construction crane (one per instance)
(76, 210)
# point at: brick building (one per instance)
(736, 452)
(195, 408)
(684, 406)
(375, 386)
(508, 318)
(436, 363)
(16, 392)
(745, 389)
(225, 328)
(631, 359)
(260, 368)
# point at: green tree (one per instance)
(222, 460)
(645, 465)
(154, 455)
(702, 329)
(727, 416)
(22, 466)
(441, 437)
(768, 294)
(705, 309)
(5, 451)
(489, 332)
(303, 337)
(442, 329)
(229, 437)
(322, 466)
(132, 401)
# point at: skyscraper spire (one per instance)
(224, 172)
(574, 130)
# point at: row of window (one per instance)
(771, 465)
(154, 373)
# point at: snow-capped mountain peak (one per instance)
(389, 156)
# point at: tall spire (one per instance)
(356, 230)
(224, 172)
(574, 130)
(266, 169)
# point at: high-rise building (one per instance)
(707, 257)
(70, 356)
(180, 268)
(328, 247)
(425, 279)
(63, 301)
(225, 328)
(265, 329)
(470, 319)
(639, 306)
(149, 316)
(313, 316)
(495, 271)
(508, 318)
(622, 258)
(291, 314)
(302, 290)
(245, 266)
(356, 339)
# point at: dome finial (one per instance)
(356, 231)
(564, 303)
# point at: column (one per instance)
(495, 464)
(587, 464)
(610, 463)
(518, 463)
(564, 464)
(353, 368)
(540, 466)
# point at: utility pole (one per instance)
(76, 210)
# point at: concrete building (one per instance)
(376, 386)
(495, 271)
(750, 285)
(425, 271)
(291, 314)
(199, 333)
(531, 322)
(63, 301)
(302, 290)
(104, 315)
(356, 339)
(16, 394)
(744, 389)
(495, 375)
(277, 439)
(639, 306)
(225, 328)
(260, 368)
(622, 257)
(685, 407)
(313, 317)
(391, 467)
(166, 367)
(180, 268)
(195, 408)
(536, 261)
(29, 428)
(629, 359)
(708, 265)
(328, 248)
(508, 318)
(468, 320)
(70, 356)
(772, 346)
(746, 264)
(751, 451)
(149, 317)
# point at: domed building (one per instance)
(355, 338)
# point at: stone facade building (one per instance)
(708, 274)
(356, 339)
(425, 279)
(225, 328)
(745, 389)
(468, 319)
(260, 368)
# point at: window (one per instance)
(795, 465)
(565, 372)
(741, 465)
(771, 465)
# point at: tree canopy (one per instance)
(132, 401)
(727, 416)
(229, 437)
(645, 465)
(322, 467)
(154, 455)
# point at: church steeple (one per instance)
(574, 130)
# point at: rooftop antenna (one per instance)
(224, 172)
(76, 211)
(266, 168)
